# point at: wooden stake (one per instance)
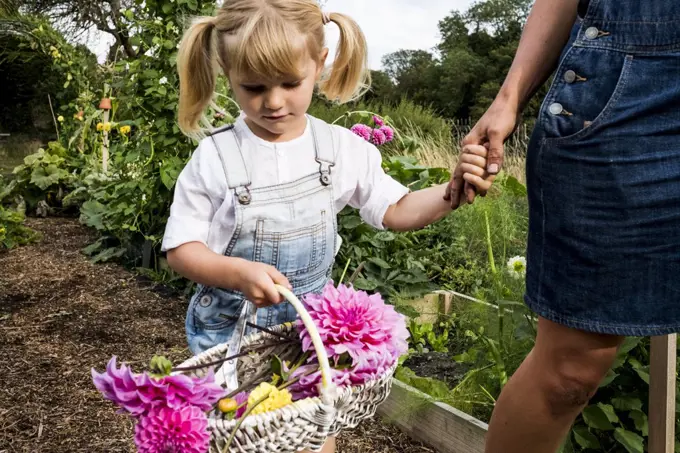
(105, 144)
(662, 369)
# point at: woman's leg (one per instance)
(554, 383)
(328, 447)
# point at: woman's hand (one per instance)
(490, 132)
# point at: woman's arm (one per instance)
(545, 34)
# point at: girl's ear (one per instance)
(322, 61)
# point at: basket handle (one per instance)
(327, 384)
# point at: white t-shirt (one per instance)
(358, 180)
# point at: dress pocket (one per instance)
(587, 87)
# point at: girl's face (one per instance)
(275, 109)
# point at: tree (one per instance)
(382, 88)
(76, 16)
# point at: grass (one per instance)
(13, 149)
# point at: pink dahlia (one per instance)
(139, 393)
(241, 398)
(378, 138)
(378, 121)
(308, 386)
(166, 430)
(389, 133)
(351, 321)
(370, 366)
(362, 131)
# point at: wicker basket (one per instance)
(304, 424)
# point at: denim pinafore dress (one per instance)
(603, 175)
(290, 226)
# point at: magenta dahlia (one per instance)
(362, 131)
(378, 138)
(389, 133)
(166, 430)
(351, 321)
(137, 394)
(378, 121)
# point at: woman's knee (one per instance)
(572, 364)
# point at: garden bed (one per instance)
(60, 315)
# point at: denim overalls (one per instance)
(290, 226)
(603, 175)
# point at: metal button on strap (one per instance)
(205, 301)
(592, 33)
(569, 76)
(555, 108)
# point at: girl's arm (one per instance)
(421, 208)
(199, 264)
(417, 209)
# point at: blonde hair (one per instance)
(269, 39)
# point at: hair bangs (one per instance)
(269, 48)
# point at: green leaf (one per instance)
(609, 412)
(108, 254)
(633, 443)
(170, 171)
(585, 438)
(640, 369)
(167, 7)
(596, 418)
(611, 375)
(383, 264)
(627, 403)
(162, 90)
(278, 369)
(641, 421)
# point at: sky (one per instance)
(388, 26)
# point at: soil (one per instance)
(438, 365)
(61, 315)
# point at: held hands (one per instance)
(482, 155)
(257, 280)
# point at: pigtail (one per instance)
(197, 67)
(349, 77)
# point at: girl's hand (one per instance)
(471, 173)
(491, 131)
(256, 281)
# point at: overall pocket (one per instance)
(210, 305)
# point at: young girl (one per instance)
(256, 205)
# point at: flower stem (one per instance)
(344, 271)
(235, 356)
(240, 421)
(488, 243)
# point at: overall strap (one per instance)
(233, 162)
(324, 147)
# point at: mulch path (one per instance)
(61, 315)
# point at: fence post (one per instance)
(663, 352)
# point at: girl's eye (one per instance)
(253, 88)
(291, 85)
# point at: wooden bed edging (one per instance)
(436, 424)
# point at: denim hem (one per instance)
(626, 330)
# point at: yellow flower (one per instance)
(107, 126)
(100, 127)
(125, 130)
(276, 400)
(60, 119)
